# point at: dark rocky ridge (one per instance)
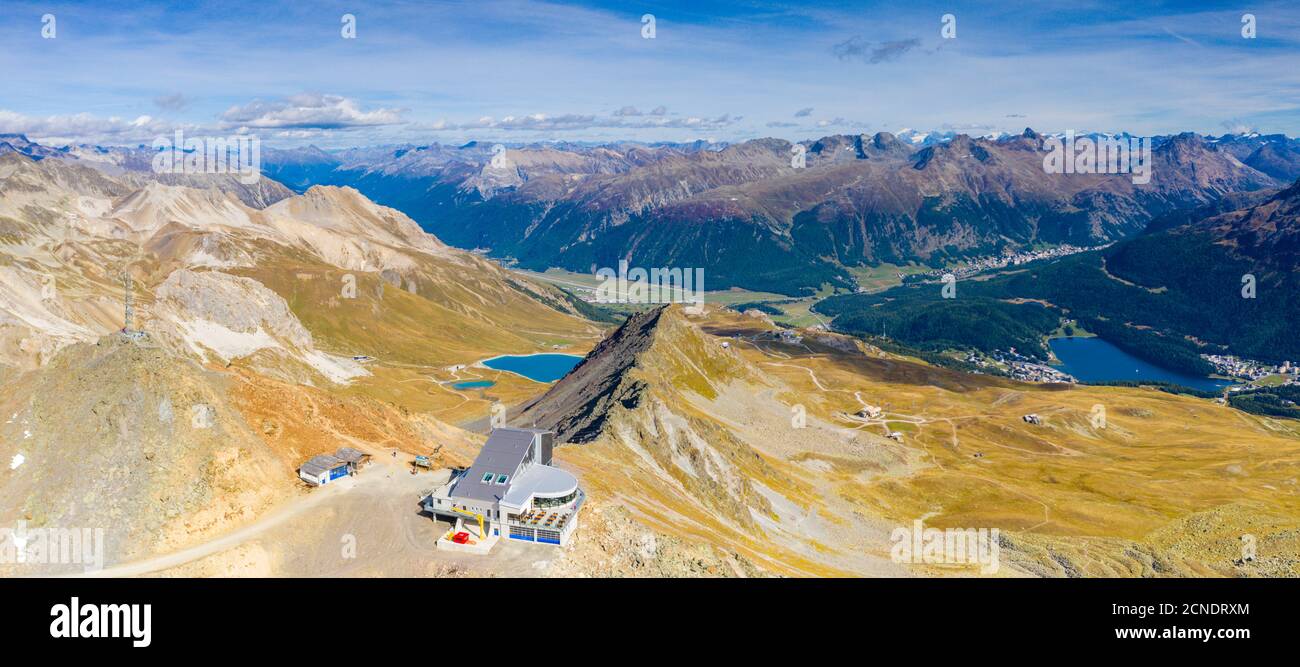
(579, 403)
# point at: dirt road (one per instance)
(365, 526)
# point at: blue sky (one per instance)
(524, 71)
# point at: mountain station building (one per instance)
(511, 491)
(324, 468)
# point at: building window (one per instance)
(546, 503)
(502, 479)
(487, 478)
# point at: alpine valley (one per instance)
(176, 345)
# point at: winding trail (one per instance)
(289, 510)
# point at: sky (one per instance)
(515, 71)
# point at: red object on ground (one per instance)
(460, 538)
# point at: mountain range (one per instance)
(757, 222)
(743, 211)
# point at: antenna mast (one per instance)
(129, 315)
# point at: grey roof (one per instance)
(350, 455)
(319, 464)
(540, 480)
(501, 454)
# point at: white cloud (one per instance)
(84, 127)
(632, 112)
(841, 122)
(308, 111)
(301, 116)
(1238, 126)
(624, 118)
(302, 134)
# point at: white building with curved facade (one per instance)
(514, 490)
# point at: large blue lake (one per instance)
(536, 367)
(1095, 360)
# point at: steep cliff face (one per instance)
(577, 407)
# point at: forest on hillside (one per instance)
(1165, 297)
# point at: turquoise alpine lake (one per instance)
(1095, 360)
(535, 367)
(473, 384)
